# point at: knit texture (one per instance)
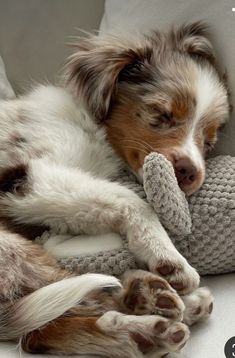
(202, 229)
(163, 192)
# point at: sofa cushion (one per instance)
(33, 36)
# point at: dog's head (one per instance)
(158, 92)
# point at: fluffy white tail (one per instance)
(50, 302)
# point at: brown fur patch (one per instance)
(14, 180)
(183, 107)
(66, 335)
(211, 132)
(26, 230)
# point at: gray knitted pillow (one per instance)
(202, 229)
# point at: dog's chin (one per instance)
(188, 190)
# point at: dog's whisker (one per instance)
(146, 145)
(139, 149)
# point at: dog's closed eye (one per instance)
(162, 120)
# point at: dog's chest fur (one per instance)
(49, 124)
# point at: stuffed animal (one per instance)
(201, 226)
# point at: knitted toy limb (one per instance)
(163, 192)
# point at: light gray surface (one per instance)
(33, 35)
(142, 15)
(207, 339)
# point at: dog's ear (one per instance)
(97, 66)
(193, 39)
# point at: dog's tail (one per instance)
(50, 302)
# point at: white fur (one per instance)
(209, 91)
(50, 302)
(205, 93)
(190, 150)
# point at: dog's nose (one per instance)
(185, 171)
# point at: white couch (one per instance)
(32, 37)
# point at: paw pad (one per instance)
(165, 302)
(178, 336)
(160, 327)
(166, 269)
(158, 284)
(211, 308)
(178, 286)
(197, 311)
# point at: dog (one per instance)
(60, 151)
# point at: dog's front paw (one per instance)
(151, 246)
(176, 270)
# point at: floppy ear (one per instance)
(193, 39)
(94, 69)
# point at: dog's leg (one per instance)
(69, 200)
(113, 335)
